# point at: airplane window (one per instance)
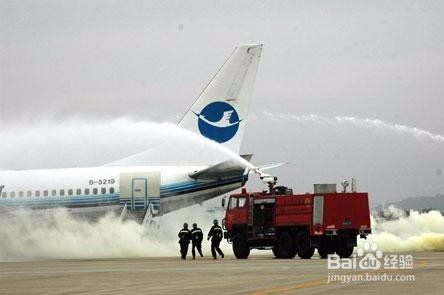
(86, 191)
(62, 192)
(28, 193)
(54, 193)
(111, 190)
(12, 194)
(20, 194)
(79, 192)
(103, 190)
(70, 192)
(45, 193)
(4, 195)
(95, 191)
(37, 193)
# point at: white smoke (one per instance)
(401, 233)
(56, 234)
(59, 235)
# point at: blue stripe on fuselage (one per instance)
(61, 200)
(167, 190)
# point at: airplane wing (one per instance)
(228, 169)
(225, 169)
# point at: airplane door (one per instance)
(138, 189)
(139, 193)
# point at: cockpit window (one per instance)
(237, 203)
(233, 203)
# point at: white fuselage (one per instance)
(168, 188)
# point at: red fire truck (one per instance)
(291, 224)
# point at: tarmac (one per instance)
(259, 274)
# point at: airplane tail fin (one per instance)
(220, 111)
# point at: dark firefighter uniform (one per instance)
(216, 235)
(196, 240)
(184, 240)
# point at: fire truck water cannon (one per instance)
(268, 179)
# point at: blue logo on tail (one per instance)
(218, 121)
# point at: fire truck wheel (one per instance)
(240, 246)
(324, 251)
(285, 246)
(276, 252)
(303, 245)
(344, 251)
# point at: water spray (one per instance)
(360, 122)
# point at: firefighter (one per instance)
(216, 236)
(196, 240)
(184, 240)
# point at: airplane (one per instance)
(219, 114)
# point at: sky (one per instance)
(344, 88)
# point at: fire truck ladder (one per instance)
(250, 228)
